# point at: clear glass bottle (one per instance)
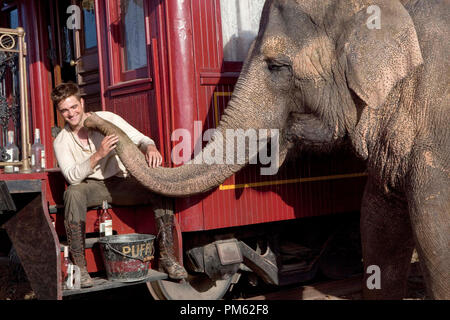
(105, 221)
(37, 153)
(13, 151)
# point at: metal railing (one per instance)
(13, 95)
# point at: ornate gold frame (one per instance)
(13, 40)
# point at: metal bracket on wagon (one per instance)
(264, 265)
(223, 258)
(219, 260)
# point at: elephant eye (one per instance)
(274, 66)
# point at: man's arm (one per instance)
(73, 172)
(145, 144)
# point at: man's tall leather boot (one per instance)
(76, 236)
(166, 251)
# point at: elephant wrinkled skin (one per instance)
(320, 75)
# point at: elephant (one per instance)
(323, 75)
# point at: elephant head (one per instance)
(316, 72)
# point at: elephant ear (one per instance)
(377, 58)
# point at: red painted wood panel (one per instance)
(139, 109)
(38, 74)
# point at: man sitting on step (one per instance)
(95, 173)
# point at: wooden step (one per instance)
(90, 242)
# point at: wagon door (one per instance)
(131, 61)
(73, 49)
(85, 58)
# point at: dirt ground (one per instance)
(13, 283)
(14, 286)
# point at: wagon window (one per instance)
(240, 24)
(13, 19)
(9, 15)
(133, 34)
(90, 32)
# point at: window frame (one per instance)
(116, 40)
(5, 10)
(84, 49)
(227, 65)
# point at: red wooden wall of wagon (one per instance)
(31, 14)
(138, 109)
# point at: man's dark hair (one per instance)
(65, 90)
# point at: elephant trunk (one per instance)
(216, 162)
(189, 179)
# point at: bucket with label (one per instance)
(127, 256)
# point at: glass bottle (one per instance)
(13, 151)
(105, 221)
(65, 266)
(53, 221)
(37, 153)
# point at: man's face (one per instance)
(72, 111)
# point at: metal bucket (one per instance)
(127, 256)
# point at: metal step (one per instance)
(104, 284)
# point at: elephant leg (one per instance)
(429, 205)
(387, 243)
(433, 248)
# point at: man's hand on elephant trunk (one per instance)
(109, 143)
(153, 157)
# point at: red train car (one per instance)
(165, 65)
